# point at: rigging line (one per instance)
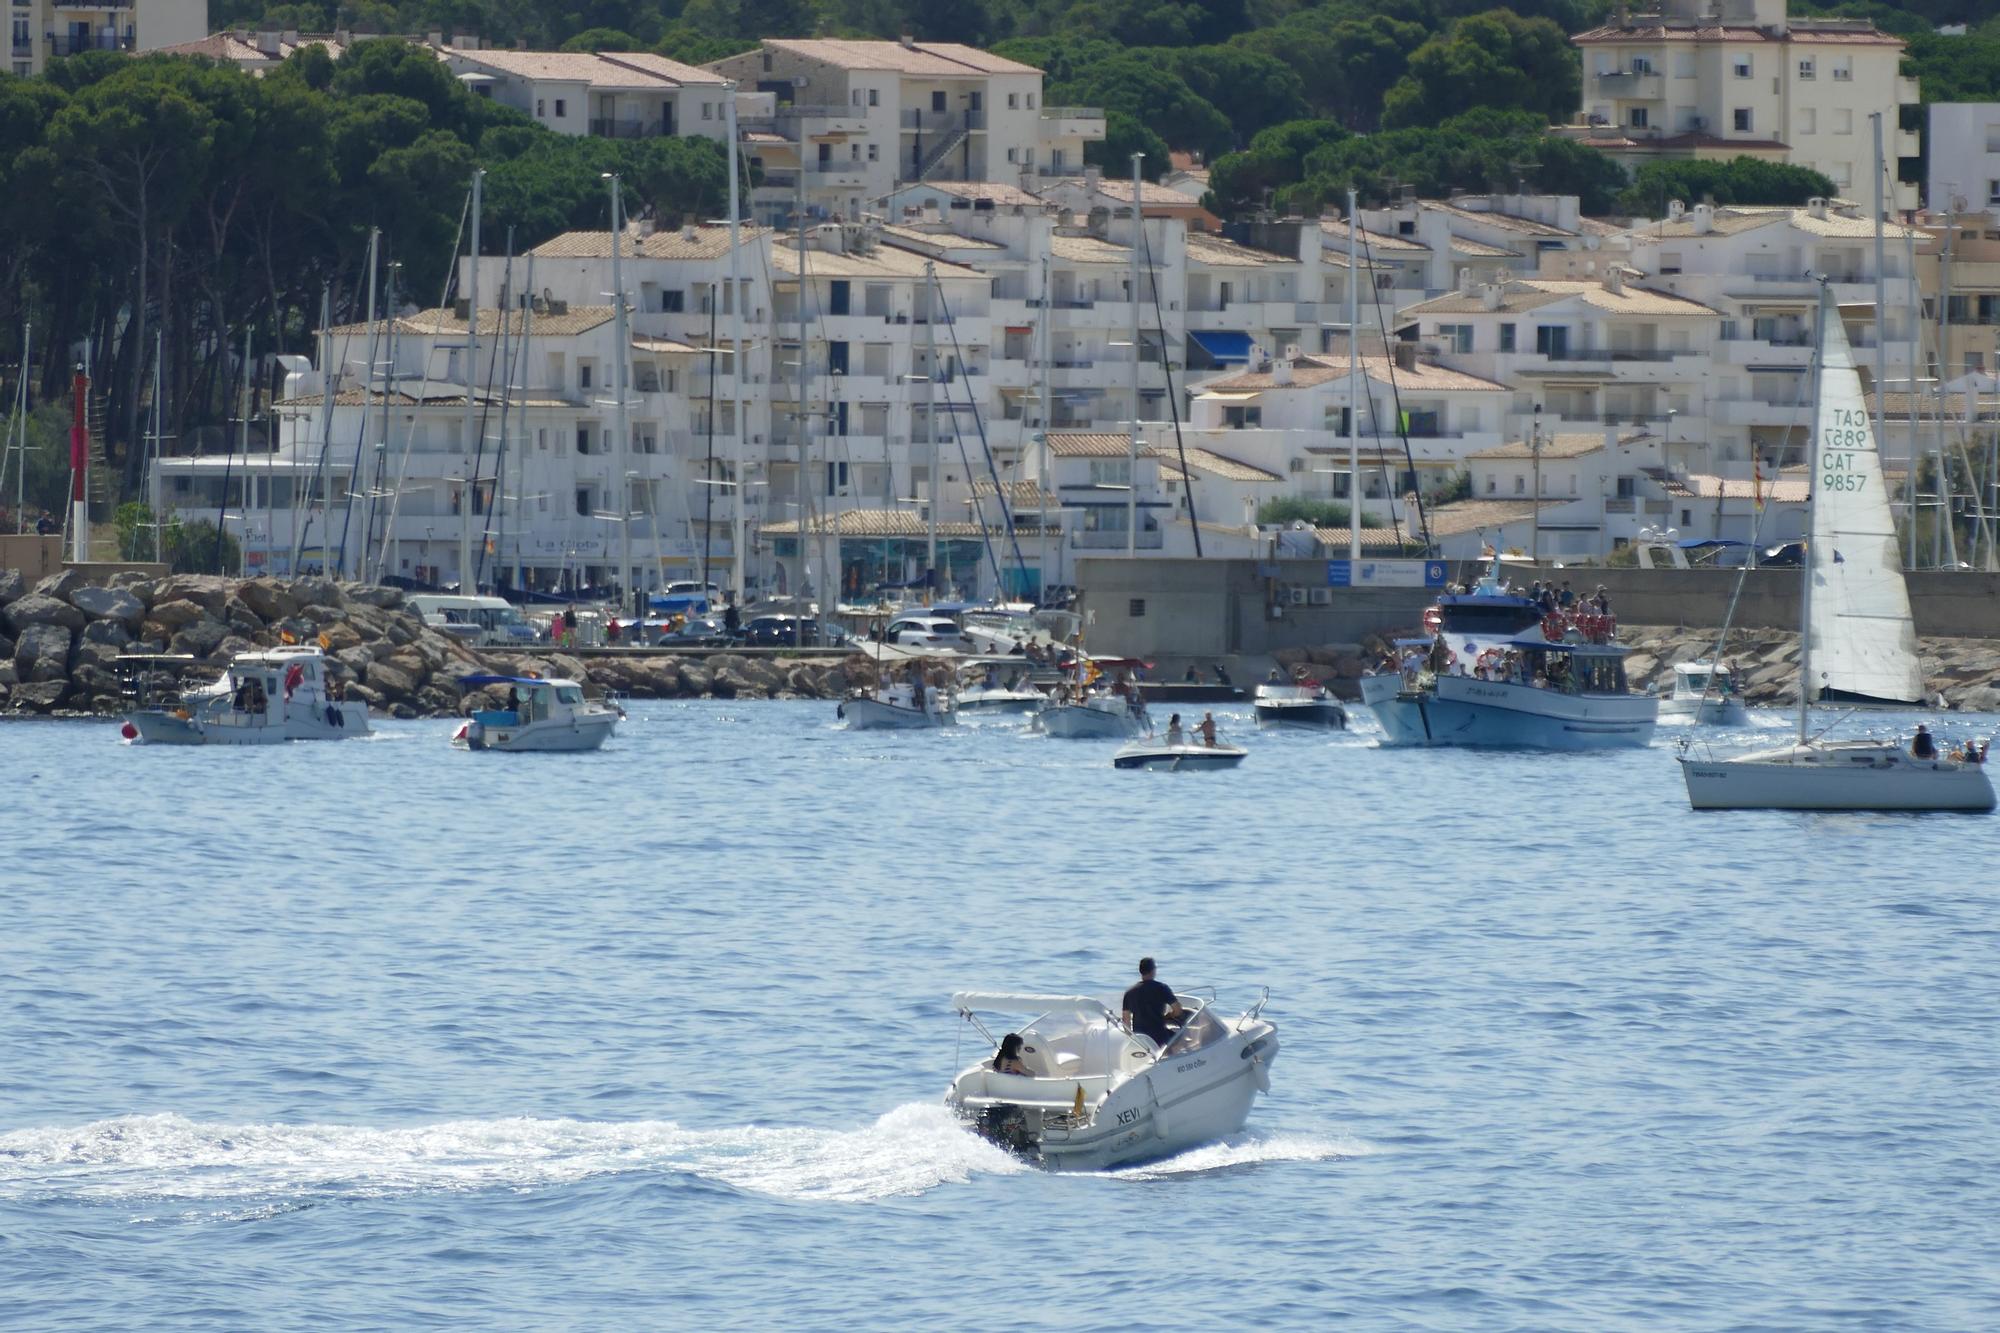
(361, 418)
(470, 494)
(708, 464)
(999, 491)
(509, 353)
(515, 363)
(329, 383)
(229, 461)
(1396, 392)
(423, 389)
(1173, 403)
(388, 378)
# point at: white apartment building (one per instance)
(610, 94)
(1434, 244)
(381, 479)
(1750, 266)
(1718, 78)
(1964, 159)
(43, 30)
(860, 118)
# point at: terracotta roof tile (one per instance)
(937, 59)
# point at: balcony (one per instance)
(1114, 541)
(1072, 122)
(798, 122)
(69, 44)
(836, 175)
(1632, 86)
(631, 129)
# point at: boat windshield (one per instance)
(1201, 1029)
(570, 694)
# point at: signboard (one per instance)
(1385, 574)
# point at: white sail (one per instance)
(1863, 643)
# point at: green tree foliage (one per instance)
(199, 547)
(1123, 136)
(603, 39)
(1288, 509)
(1741, 180)
(1276, 158)
(1495, 59)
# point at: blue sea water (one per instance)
(383, 1035)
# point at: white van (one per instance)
(479, 621)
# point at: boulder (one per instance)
(240, 617)
(13, 586)
(407, 661)
(199, 639)
(6, 647)
(402, 712)
(388, 681)
(171, 614)
(357, 690)
(232, 647)
(400, 631)
(109, 604)
(562, 664)
(726, 683)
(317, 592)
(207, 591)
(132, 581)
(37, 696)
(97, 654)
(355, 659)
(42, 653)
(268, 599)
(89, 678)
(9, 673)
(61, 585)
(367, 594)
(39, 608)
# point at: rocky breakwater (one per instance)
(60, 638)
(713, 676)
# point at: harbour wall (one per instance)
(1203, 609)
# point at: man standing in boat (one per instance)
(1150, 1004)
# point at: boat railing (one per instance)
(1255, 1011)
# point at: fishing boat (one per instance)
(1298, 703)
(547, 716)
(897, 707)
(1082, 708)
(1178, 756)
(1704, 692)
(1857, 642)
(261, 698)
(1501, 671)
(989, 691)
(1098, 1096)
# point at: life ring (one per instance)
(1554, 625)
(1433, 619)
(332, 716)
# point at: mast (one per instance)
(1353, 395)
(708, 466)
(511, 349)
(79, 461)
(153, 496)
(381, 445)
(799, 381)
(738, 454)
(21, 433)
(1881, 324)
(1042, 451)
(329, 380)
(467, 585)
(621, 419)
(931, 429)
(1132, 465)
(1812, 510)
(1910, 398)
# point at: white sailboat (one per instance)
(1857, 644)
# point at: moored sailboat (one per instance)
(1857, 642)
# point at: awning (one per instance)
(1228, 395)
(1222, 345)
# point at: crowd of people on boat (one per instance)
(1924, 746)
(1566, 672)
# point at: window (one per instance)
(1492, 484)
(836, 478)
(1843, 120)
(562, 108)
(708, 111)
(1336, 420)
(1843, 174)
(1743, 122)
(1243, 418)
(1520, 485)
(1993, 138)
(542, 438)
(1843, 70)
(1135, 607)
(1808, 120)
(1641, 65)
(874, 152)
(1011, 157)
(583, 501)
(1110, 471)
(541, 109)
(583, 439)
(673, 301)
(1636, 118)
(1806, 70)
(1013, 101)
(1506, 337)
(1744, 68)
(1457, 337)
(855, 98)
(874, 97)
(583, 372)
(1993, 192)
(1552, 341)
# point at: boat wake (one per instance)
(131, 1159)
(1246, 1150)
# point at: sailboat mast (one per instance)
(1812, 509)
(621, 411)
(1042, 405)
(1132, 467)
(21, 432)
(467, 585)
(1353, 396)
(1881, 312)
(739, 457)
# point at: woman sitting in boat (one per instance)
(1175, 736)
(1008, 1059)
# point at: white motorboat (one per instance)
(1098, 716)
(548, 716)
(1705, 693)
(261, 698)
(895, 707)
(992, 689)
(1098, 1096)
(1178, 756)
(1507, 673)
(1303, 703)
(1857, 634)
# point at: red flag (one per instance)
(79, 436)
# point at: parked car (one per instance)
(698, 632)
(921, 633)
(783, 632)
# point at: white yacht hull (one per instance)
(1179, 758)
(1174, 1104)
(1464, 710)
(551, 737)
(1857, 776)
(1079, 722)
(875, 715)
(1000, 701)
(1705, 712)
(223, 726)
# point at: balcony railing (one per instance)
(66, 44)
(1072, 113)
(1115, 541)
(631, 129)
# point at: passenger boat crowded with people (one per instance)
(1501, 669)
(261, 698)
(1094, 1095)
